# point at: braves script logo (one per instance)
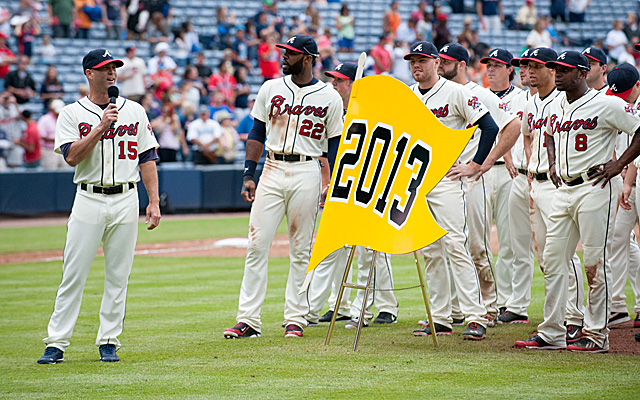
(131, 130)
(278, 108)
(587, 124)
(441, 112)
(536, 124)
(474, 102)
(520, 113)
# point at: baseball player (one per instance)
(328, 275)
(111, 146)
(486, 198)
(456, 107)
(293, 116)
(598, 64)
(583, 124)
(535, 119)
(625, 252)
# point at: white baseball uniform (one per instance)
(456, 107)
(585, 132)
(96, 217)
(534, 122)
(298, 121)
(326, 282)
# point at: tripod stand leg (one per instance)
(339, 299)
(367, 289)
(426, 300)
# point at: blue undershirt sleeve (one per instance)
(258, 131)
(489, 131)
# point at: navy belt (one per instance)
(578, 181)
(543, 176)
(522, 171)
(499, 163)
(107, 189)
(289, 157)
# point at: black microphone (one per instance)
(113, 92)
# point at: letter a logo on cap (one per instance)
(614, 88)
(339, 67)
(588, 50)
(418, 47)
(293, 39)
(444, 49)
(494, 54)
(106, 53)
(562, 56)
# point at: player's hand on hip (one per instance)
(604, 172)
(248, 191)
(511, 169)
(624, 197)
(153, 216)
(554, 177)
(110, 115)
(459, 170)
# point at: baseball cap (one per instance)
(426, 49)
(454, 52)
(56, 105)
(637, 46)
(570, 59)
(621, 80)
(541, 55)
(516, 60)
(442, 17)
(222, 115)
(500, 55)
(594, 53)
(345, 70)
(99, 57)
(162, 46)
(301, 44)
(129, 48)
(204, 109)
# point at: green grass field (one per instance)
(173, 346)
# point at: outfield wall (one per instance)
(183, 189)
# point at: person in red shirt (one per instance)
(224, 82)
(161, 81)
(30, 141)
(7, 57)
(269, 58)
(381, 57)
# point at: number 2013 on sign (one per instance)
(382, 134)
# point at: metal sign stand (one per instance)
(367, 288)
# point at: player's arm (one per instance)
(551, 153)
(608, 170)
(149, 175)
(80, 149)
(488, 133)
(507, 138)
(254, 148)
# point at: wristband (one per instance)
(249, 168)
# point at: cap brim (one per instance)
(553, 64)
(593, 58)
(446, 57)
(408, 56)
(636, 46)
(119, 63)
(336, 74)
(289, 47)
(622, 95)
(515, 62)
(535, 60)
(484, 60)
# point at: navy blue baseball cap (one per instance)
(500, 55)
(516, 60)
(425, 49)
(454, 52)
(540, 54)
(99, 57)
(570, 59)
(596, 54)
(621, 80)
(301, 44)
(345, 70)
(636, 46)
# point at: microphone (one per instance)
(113, 92)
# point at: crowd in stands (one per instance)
(200, 112)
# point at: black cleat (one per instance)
(52, 355)
(108, 353)
(385, 318)
(474, 331)
(426, 331)
(329, 314)
(509, 317)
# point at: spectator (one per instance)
(616, 40)
(158, 29)
(297, 26)
(418, 14)
(271, 7)
(7, 57)
(191, 85)
(263, 28)
(345, 24)
(204, 134)
(314, 17)
(187, 115)
(169, 134)
(150, 106)
(204, 72)
(83, 22)
(631, 28)
(181, 54)
(391, 19)
(161, 57)
(466, 36)
(406, 32)
(527, 16)
(457, 6)
(424, 27)
(441, 33)
(47, 129)
(51, 87)
(137, 16)
(161, 81)
(161, 6)
(224, 82)
(577, 10)
(243, 90)
(131, 75)
(383, 60)
(269, 58)
(112, 11)
(626, 56)
(229, 139)
(490, 15)
(240, 50)
(539, 36)
(61, 17)
(83, 90)
(401, 70)
(10, 129)
(325, 49)
(30, 141)
(26, 33)
(252, 39)
(217, 105)
(192, 39)
(47, 51)
(558, 10)
(247, 122)
(20, 83)
(224, 28)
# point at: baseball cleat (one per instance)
(312, 323)
(293, 330)
(491, 322)
(426, 331)
(637, 336)
(353, 323)
(241, 331)
(585, 345)
(618, 318)
(509, 317)
(108, 353)
(329, 314)
(52, 355)
(574, 333)
(385, 318)
(474, 331)
(636, 322)
(536, 342)
(502, 310)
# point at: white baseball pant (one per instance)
(580, 213)
(500, 200)
(382, 295)
(327, 278)
(112, 219)
(291, 189)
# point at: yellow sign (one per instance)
(392, 153)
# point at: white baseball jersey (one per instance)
(298, 120)
(114, 160)
(623, 140)
(500, 112)
(585, 130)
(516, 99)
(534, 124)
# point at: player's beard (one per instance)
(449, 75)
(294, 69)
